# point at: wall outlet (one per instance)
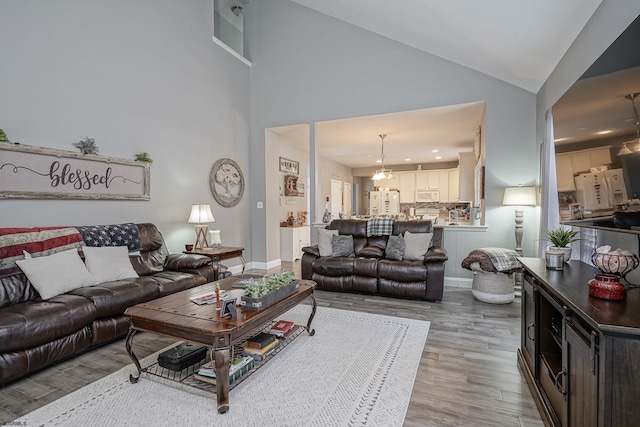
(260, 205)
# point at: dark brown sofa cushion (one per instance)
(113, 298)
(32, 323)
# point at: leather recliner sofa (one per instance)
(36, 333)
(370, 272)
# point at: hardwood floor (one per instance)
(468, 374)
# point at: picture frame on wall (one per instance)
(30, 172)
(291, 185)
(290, 167)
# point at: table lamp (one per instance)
(519, 197)
(200, 215)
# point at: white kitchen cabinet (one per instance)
(454, 185)
(407, 187)
(422, 180)
(600, 156)
(443, 188)
(393, 183)
(434, 180)
(292, 240)
(581, 161)
(570, 163)
(564, 172)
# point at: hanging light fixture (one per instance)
(625, 150)
(380, 174)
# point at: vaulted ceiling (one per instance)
(519, 42)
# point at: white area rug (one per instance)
(358, 369)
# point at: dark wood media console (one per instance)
(579, 354)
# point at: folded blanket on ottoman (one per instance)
(493, 260)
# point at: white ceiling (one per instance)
(596, 108)
(519, 42)
(410, 135)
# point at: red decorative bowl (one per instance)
(607, 286)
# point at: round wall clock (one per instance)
(226, 182)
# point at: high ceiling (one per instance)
(519, 42)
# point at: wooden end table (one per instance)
(178, 317)
(220, 253)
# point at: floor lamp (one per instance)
(519, 197)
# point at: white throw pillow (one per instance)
(56, 274)
(324, 241)
(416, 245)
(108, 263)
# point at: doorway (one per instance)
(347, 200)
(336, 198)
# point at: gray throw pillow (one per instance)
(342, 245)
(416, 245)
(324, 241)
(395, 248)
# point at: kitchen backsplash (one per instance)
(444, 208)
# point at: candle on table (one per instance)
(215, 238)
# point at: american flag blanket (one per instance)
(379, 226)
(493, 260)
(38, 241)
(112, 235)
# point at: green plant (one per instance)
(87, 146)
(561, 237)
(3, 136)
(143, 157)
(264, 285)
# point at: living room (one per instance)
(145, 77)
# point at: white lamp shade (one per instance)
(201, 214)
(519, 196)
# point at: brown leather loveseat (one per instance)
(370, 271)
(35, 333)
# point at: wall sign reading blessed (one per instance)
(28, 172)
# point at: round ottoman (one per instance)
(494, 288)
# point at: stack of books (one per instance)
(283, 328)
(261, 346)
(239, 367)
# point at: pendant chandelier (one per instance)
(382, 173)
(625, 150)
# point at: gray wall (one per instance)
(308, 67)
(138, 75)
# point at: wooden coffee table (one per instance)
(178, 317)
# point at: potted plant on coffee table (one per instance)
(265, 291)
(561, 239)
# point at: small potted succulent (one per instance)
(87, 146)
(3, 136)
(561, 239)
(143, 157)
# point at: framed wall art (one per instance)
(29, 172)
(290, 185)
(290, 167)
(226, 182)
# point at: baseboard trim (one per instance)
(458, 282)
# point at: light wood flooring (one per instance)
(468, 374)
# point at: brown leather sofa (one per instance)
(36, 333)
(370, 272)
